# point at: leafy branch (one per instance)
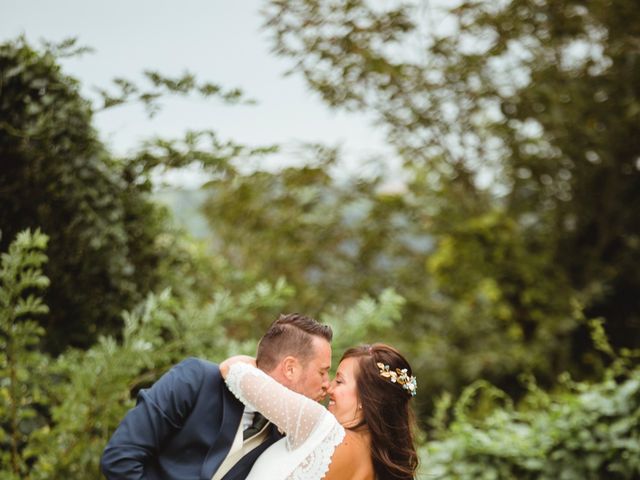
(20, 275)
(126, 91)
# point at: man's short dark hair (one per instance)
(291, 334)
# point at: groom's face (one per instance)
(314, 379)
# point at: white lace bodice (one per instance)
(312, 433)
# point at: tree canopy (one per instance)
(107, 232)
(57, 176)
(518, 120)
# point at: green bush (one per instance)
(592, 431)
(22, 366)
(57, 414)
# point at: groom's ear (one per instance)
(290, 366)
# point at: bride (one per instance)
(366, 433)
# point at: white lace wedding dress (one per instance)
(312, 432)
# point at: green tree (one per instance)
(518, 122)
(107, 233)
(57, 176)
(333, 240)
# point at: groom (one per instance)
(189, 426)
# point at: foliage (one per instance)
(107, 234)
(583, 431)
(23, 388)
(56, 176)
(57, 414)
(333, 240)
(161, 85)
(512, 222)
(336, 239)
(517, 122)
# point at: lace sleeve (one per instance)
(292, 412)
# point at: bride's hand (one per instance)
(226, 364)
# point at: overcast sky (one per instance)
(219, 41)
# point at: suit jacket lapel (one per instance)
(241, 469)
(231, 414)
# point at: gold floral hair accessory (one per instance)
(400, 377)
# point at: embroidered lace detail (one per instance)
(292, 412)
(233, 382)
(313, 433)
(316, 464)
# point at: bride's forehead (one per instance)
(347, 366)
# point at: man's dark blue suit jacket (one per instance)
(181, 428)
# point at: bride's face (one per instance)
(343, 394)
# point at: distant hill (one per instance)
(185, 205)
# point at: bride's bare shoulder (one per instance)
(352, 458)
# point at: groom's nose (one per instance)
(325, 385)
(329, 387)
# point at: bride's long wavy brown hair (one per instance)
(387, 412)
